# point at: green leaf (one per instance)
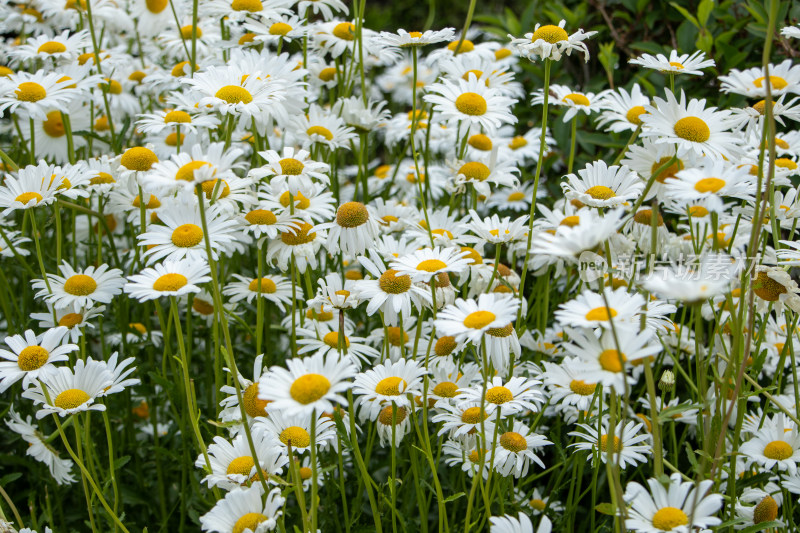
(122, 461)
(763, 526)
(454, 497)
(8, 478)
(688, 16)
(606, 509)
(703, 11)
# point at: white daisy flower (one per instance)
(310, 384)
(291, 170)
(670, 509)
(386, 384)
(472, 103)
(389, 292)
(38, 448)
(30, 355)
(469, 320)
(275, 289)
(625, 449)
(232, 463)
(590, 310)
(691, 127)
(69, 390)
(80, 288)
(602, 186)
(181, 236)
(551, 42)
(242, 510)
(516, 448)
(622, 111)
(170, 278)
(295, 429)
(675, 63)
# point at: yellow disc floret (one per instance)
(309, 388)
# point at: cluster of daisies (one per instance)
(329, 265)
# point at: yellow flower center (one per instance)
(611, 360)
(431, 265)
(234, 94)
(479, 319)
(80, 285)
(445, 346)
(253, 6)
(209, 186)
(391, 386)
(472, 415)
(600, 192)
(279, 28)
(634, 114)
(676, 65)
(186, 172)
(466, 46)
(291, 166)
(138, 158)
(29, 91)
(309, 388)
(617, 444)
(241, 465)
(501, 53)
(177, 116)
(170, 282)
(302, 236)
(578, 386)
(391, 283)
(668, 518)
(266, 286)
(352, 215)
(248, 522)
(499, 395)
(503, 332)
(253, 406)
(187, 235)
(601, 313)
(709, 185)
(52, 47)
(778, 450)
(475, 170)
(345, 31)
(668, 172)
(550, 33)
(537, 504)
(327, 74)
(477, 73)
(301, 202)
(186, 32)
(152, 202)
(319, 130)
(692, 129)
(332, 339)
(32, 358)
(785, 162)
(446, 389)
(71, 398)
(776, 82)
(179, 69)
(70, 320)
(5, 72)
(767, 288)
(53, 126)
(766, 510)
(513, 441)
(387, 413)
(479, 141)
(577, 99)
(396, 336)
(156, 6)
(518, 142)
(26, 197)
(261, 217)
(471, 104)
(415, 34)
